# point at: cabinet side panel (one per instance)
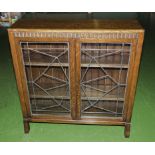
(17, 73)
(134, 78)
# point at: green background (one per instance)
(143, 120)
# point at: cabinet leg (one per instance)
(26, 126)
(127, 130)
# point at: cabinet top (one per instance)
(78, 25)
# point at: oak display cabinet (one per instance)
(79, 71)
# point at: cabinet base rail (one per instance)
(88, 121)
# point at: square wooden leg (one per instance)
(127, 130)
(26, 126)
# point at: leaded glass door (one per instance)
(47, 71)
(103, 78)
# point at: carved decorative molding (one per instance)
(96, 35)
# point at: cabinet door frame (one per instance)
(130, 71)
(21, 77)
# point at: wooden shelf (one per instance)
(109, 98)
(112, 98)
(49, 97)
(44, 64)
(105, 65)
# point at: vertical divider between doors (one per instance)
(72, 70)
(78, 76)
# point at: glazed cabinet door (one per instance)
(103, 77)
(48, 69)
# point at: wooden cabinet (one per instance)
(82, 72)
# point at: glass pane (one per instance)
(47, 72)
(104, 68)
